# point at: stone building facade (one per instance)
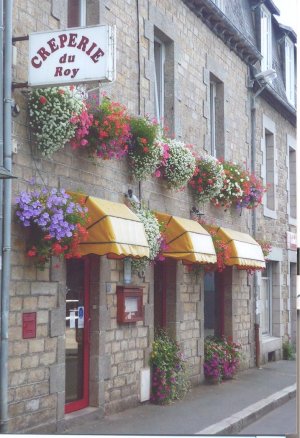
(208, 46)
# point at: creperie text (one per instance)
(64, 40)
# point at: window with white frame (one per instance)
(270, 169)
(159, 60)
(216, 117)
(213, 115)
(266, 300)
(292, 183)
(76, 13)
(289, 71)
(266, 38)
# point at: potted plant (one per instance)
(208, 179)
(144, 153)
(169, 374)
(221, 359)
(253, 195)
(177, 163)
(154, 233)
(51, 112)
(108, 135)
(231, 360)
(213, 354)
(235, 185)
(56, 221)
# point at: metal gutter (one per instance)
(7, 161)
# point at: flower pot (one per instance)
(212, 380)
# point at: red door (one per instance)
(77, 335)
(164, 294)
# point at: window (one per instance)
(164, 80)
(292, 184)
(76, 13)
(216, 113)
(270, 169)
(266, 300)
(289, 71)
(159, 60)
(266, 39)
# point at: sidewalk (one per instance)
(207, 409)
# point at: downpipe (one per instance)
(254, 228)
(7, 161)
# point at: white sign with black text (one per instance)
(72, 56)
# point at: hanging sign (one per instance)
(71, 56)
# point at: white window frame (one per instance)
(292, 180)
(266, 38)
(269, 168)
(290, 70)
(212, 103)
(82, 13)
(267, 277)
(159, 80)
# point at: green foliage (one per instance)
(169, 373)
(288, 351)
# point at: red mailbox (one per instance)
(129, 304)
(29, 325)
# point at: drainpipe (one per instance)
(254, 222)
(255, 294)
(7, 149)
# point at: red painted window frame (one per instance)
(84, 402)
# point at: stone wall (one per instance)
(118, 353)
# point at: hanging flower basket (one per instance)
(144, 153)
(108, 135)
(51, 111)
(253, 195)
(235, 185)
(178, 163)
(57, 224)
(208, 179)
(153, 229)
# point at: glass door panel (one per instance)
(77, 342)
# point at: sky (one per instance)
(289, 11)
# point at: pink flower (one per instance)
(157, 173)
(43, 100)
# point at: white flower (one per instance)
(179, 167)
(50, 111)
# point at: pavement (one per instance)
(222, 409)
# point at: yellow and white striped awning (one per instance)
(114, 229)
(243, 249)
(187, 240)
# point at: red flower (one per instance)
(32, 252)
(57, 248)
(60, 91)
(146, 149)
(43, 100)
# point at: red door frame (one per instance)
(84, 402)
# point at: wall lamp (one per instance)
(132, 197)
(266, 76)
(196, 214)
